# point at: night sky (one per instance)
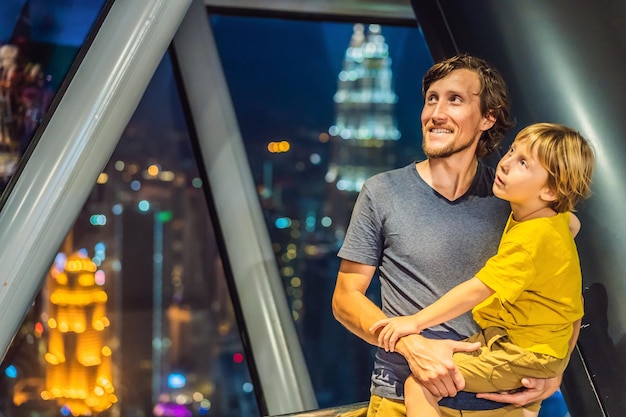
(304, 59)
(60, 22)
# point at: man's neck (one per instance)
(451, 177)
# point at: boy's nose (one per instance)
(504, 164)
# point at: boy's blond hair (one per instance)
(568, 158)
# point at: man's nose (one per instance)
(439, 111)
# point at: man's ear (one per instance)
(488, 121)
(547, 194)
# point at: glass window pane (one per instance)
(321, 106)
(135, 318)
(39, 40)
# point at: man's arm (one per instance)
(430, 360)
(351, 307)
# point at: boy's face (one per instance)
(520, 177)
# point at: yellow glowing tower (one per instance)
(78, 362)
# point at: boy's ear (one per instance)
(547, 194)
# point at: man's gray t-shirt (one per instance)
(423, 245)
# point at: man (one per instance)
(425, 228)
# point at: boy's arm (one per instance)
(455, 302)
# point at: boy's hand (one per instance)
(393, 329)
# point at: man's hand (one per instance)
(535, 390)
(431, 362)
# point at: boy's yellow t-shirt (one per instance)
(537, 281)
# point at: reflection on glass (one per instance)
(135, 317)
(39, 40)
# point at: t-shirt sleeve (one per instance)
(363, 241)
(508, 272)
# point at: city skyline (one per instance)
(158, 136)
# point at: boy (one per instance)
(527, 296)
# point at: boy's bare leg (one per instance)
(419, 401)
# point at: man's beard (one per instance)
(446, 151)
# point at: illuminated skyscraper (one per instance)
(365, 132)
(79, 368)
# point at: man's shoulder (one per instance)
(483, 181)
(391, 176)
(485, 172)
